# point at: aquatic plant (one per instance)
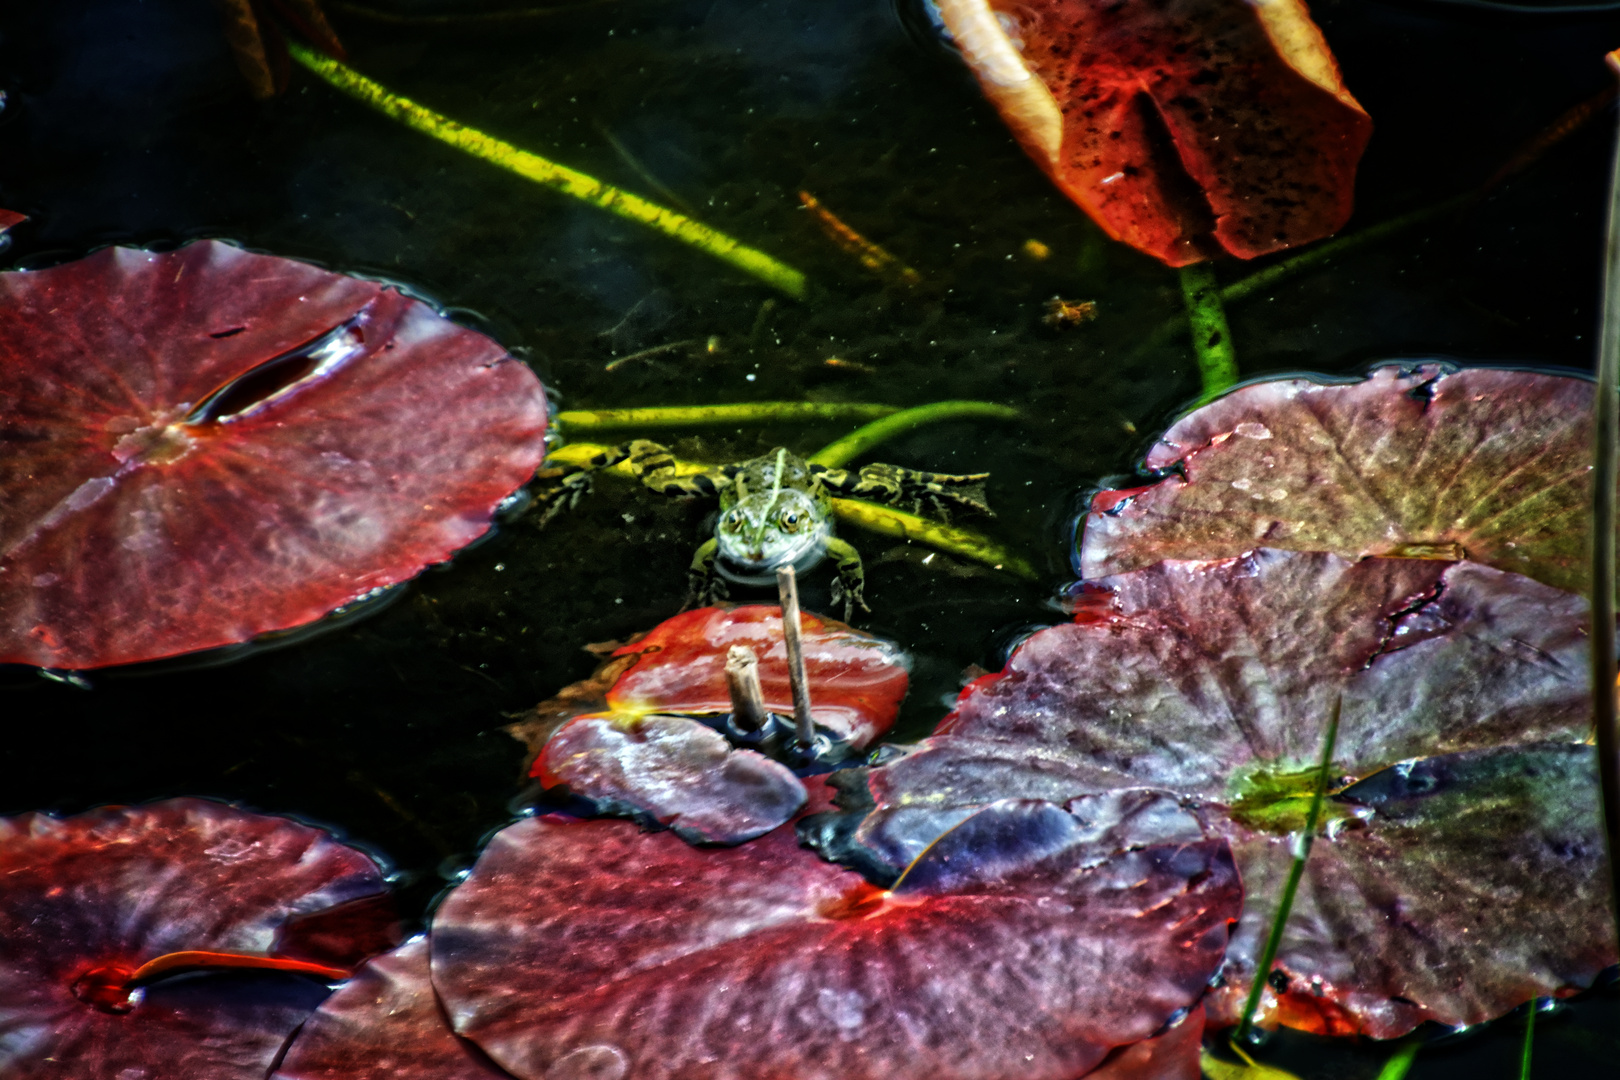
(1029, 941)
(1185, 128)
(100, 910)
(204, 445)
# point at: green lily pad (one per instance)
(1215, 680)
(1415, 460)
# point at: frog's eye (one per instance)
(789, 519)
(733, 520)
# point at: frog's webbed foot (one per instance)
(934, 494)
(850, 584)
(561, 489)
(704, 585)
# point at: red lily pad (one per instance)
(1026, 944)
(674, 770)
(1421, 460)
(386, 1021)
(89, 900)
(1217, 680)
(1183, 127)
(204, 445)
(857, 681)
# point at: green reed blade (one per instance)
(861, 440)
(588, 421)
(1400, 1062)
(1529, 1041)
(1302, 849)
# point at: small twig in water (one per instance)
(1302, 850)
(747, 696)
(787, 585)
(656, 350)
(868, 254)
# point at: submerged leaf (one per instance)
(204, 445)
(385, 1022)
(90, 899)
(1183, 127)
(592, 949)
(1215, 679)
(1415, 460)
(676, 771)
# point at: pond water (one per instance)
(126, 122)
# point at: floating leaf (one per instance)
(1418, 460)
(385, 1022)
(1026, 943)
(1215, 679)
(856, 680)
(1183, 127)
(91, 899)
(204, 445)
(674, 770)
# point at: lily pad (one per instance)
(1216, 680)
(1417, 460)
(385, 1022)
(89, 900)
(1027, 943)
(677, 771)
(204, 445)
(1185, 128)
(857, 681)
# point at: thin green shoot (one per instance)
(1211, 337)
(1529, 1041)
(1400, 1062)
(546, 173)
(1302, 850)
(859, 441)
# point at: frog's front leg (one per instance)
(704, 586)
(934, 493)
(851, 582)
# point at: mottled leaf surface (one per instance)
(1480, 463)
(122, 886)
(1185, 128)
(857, 681)
(385, 1024)
(1026, 944)
(674, 770)
(1216, 680)
(165, 487)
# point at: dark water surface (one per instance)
(127, 123)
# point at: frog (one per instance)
(776, 510)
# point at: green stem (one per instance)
(1606, 437)
(1529, 1041)
(947, 538)
(549, 174)
(1212, 338)
(861, 440)
(1400, 1063)
(584, 422)
(1302, 850)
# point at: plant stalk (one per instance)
(804, 722)
(859, 441)
(1211, 337)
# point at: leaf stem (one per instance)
(1606, 436)
(1529, 1041)
(1302, 850)
(1211, 337)
(1400, 1062)
(549, 174)
(580, 422)
(862, 439)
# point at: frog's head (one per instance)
(766, 530)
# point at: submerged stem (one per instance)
(1212, 338)
(577, 422)
(1400, 1062)
(1529, 1041)
(1606, 435)
(862, 439)
(549, 174)
(1302, 850)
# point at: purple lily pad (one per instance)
(1483, 464)
(385, 1022)
(89, 899)
(204, 445)
(1216, 680)
(674, 770)
(1026, 944)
